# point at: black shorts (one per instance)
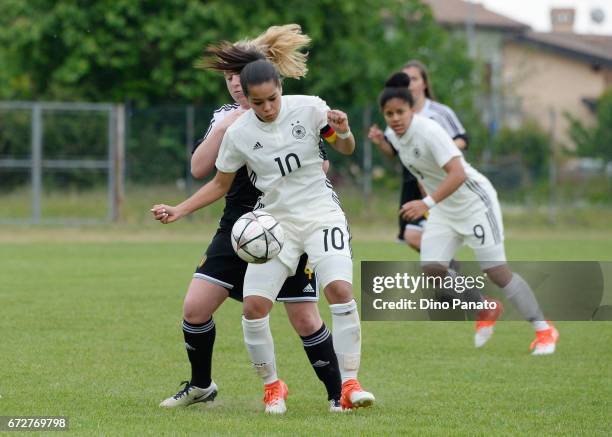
(220, 265)
(410, 191)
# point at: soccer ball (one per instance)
(257, 237)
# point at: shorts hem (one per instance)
(213, 280)
(297, 299)
(260, 293)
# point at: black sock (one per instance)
(199, 342)
(320, 350)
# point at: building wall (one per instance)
(543, 80)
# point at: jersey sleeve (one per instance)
(447, 118)
(230, 159)
(442, 146)
(388, 135)
(320, 113)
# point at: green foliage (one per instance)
(595, 141)
(143, 51)
(530, 143)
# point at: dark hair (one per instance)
(424, 75)
(226, 57)
(396, 87)
(258, 72)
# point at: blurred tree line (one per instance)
(595, 141)
(142, 52)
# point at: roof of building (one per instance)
(459, 12)
(591, 48)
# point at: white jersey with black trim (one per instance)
(445, 117)
(283, 160)
(425, 148)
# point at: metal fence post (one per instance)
(119, 165)
(36, 168)
(367, 153)
(552, 170)
(112, 212)
(189, 140)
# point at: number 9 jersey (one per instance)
(471, 215)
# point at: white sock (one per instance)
(346, 335)
(260, 346)
(521, 295)
(540, 325)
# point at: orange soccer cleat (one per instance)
(486, 321)
(353, 396)
(545, 342)
(275, 395)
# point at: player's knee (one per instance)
(195, 314)
(256, 307)
(339, 292)
(413, 238)
(500, 275)
(306, 324)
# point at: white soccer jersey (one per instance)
(283, 159)
(443, 115)
(424, 149)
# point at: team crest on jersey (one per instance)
(298, 130)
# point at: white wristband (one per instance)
(343, 135)
(429, 202)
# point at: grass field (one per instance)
(90, 330)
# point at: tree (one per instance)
(595, 141)
(144, 50)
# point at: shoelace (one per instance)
(184, 391)
(273, 392)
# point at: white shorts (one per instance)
(482, 230)
(328, 246)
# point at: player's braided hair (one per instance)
(280, 45)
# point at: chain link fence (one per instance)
(93, 153)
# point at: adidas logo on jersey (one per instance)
(257, 146)
(308, 289)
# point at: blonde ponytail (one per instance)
(281, 46)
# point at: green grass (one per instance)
(90, 329)
(380, 210)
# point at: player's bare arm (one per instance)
(203, 159)
(460, 142)
(339, 122)
(377, 136)
(455, 176)
(209, 193)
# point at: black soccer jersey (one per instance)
(242, 195)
